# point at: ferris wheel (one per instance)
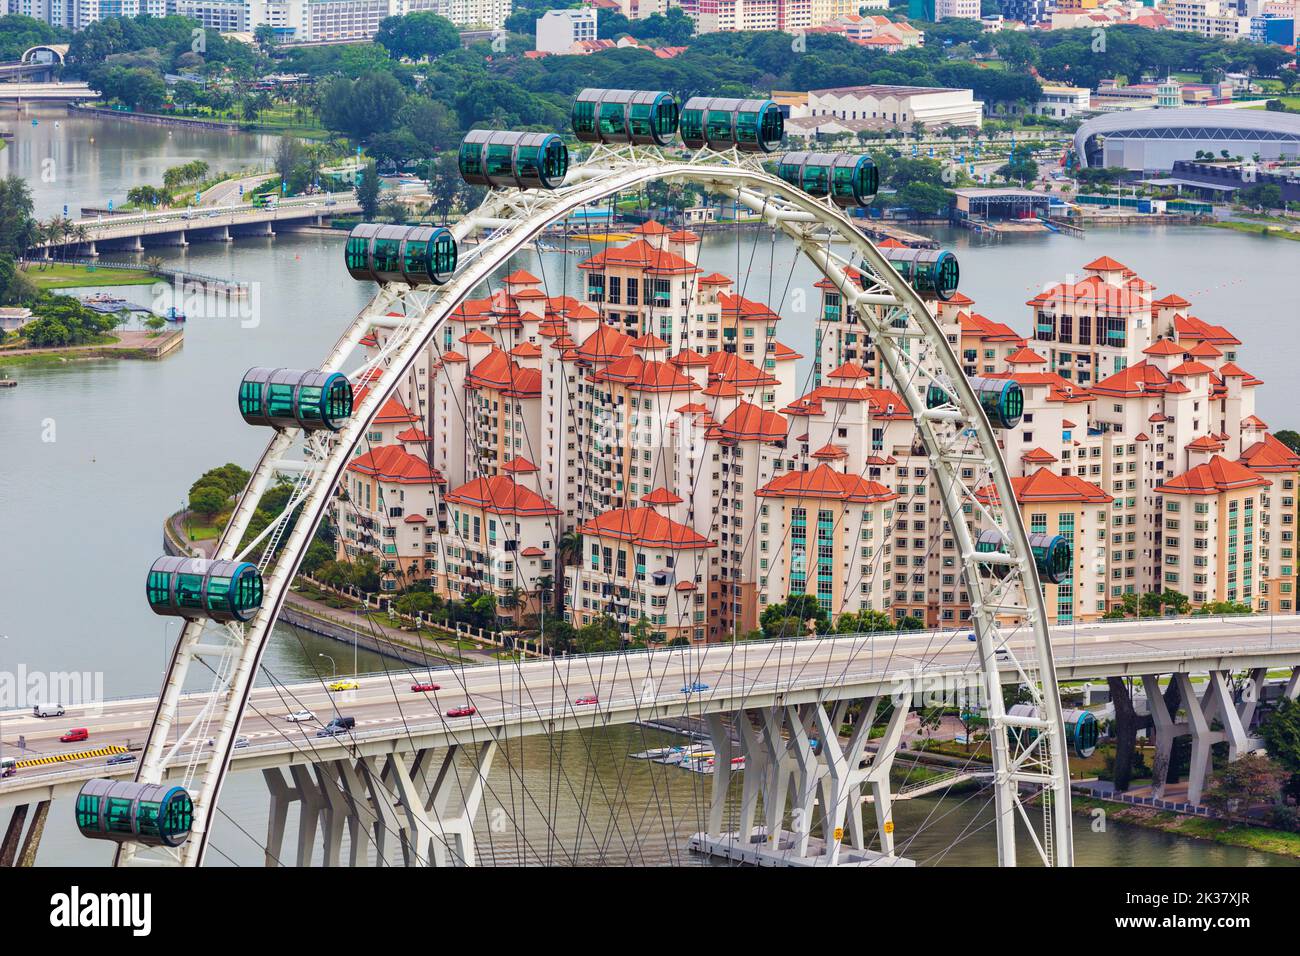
(320, 417)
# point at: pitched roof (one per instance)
(825, 482)
(501, 495)
(748, 422)
(637, 374)
(1215, 476)
(661, 496)
(1106, 264)
(393, 463)
(645, 527)
(394, 412)
(1270, 455)
(1043, 486)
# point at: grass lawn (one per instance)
(68, 276)
(1290, 102)
(1262, 839)
(1270, 232)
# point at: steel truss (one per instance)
(961, 445)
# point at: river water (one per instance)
(81, 514)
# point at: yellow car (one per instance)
(344, 685)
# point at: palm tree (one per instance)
(81, 232)
(154, 263)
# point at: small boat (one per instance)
(174, 314)
(103, 298)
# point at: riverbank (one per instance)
(73, 276)
(1260, 229)
(202, 122)
(123, 345)
(1260, 839)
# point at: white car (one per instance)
(299, 716)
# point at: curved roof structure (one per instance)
(1243, 132)
(54, 53)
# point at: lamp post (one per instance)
(333, 667)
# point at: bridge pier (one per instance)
(397, 801)
(10, 855)
(1199, 714)
(813, 785)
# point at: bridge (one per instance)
(758, 698)
(133, 232)
(50, 92)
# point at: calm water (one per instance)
(80, 516)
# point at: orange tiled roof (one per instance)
(501, 495)
(1270, 455)
(1043, 485)
(396, 465)
(1215, 476)
(825, 482)
(646, 527)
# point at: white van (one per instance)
(8, 766)
(47, 710)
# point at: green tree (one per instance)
(418, 35)
(600, 635)
(1244, 783)
(368, 192)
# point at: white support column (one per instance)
(1163, 730)
(720, 736)
(779, 769)
(281, 796)
(1293, 685)
(1199, 714)
(1234, 730)
(756, 766)
(807, 773)
(310, 807)
(336, 811)
(881, 765)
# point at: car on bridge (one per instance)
(589, 699)
(300, 716)
(464, 710)
(695, 688)
(75, 735)
(118, 759)
(425, 688)
(8, 767)
(344, 685)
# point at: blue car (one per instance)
(695, 688)
(120, 759)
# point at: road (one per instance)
(539, 696)
(227, 191)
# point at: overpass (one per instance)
(773, 692)
(176, 227)
(54, 92)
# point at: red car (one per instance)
(589, 699)
(425, 688)
(465, 710)
(75, 735)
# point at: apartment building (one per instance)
(710, 471)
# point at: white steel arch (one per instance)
(1028, 752)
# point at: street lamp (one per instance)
(333, 667)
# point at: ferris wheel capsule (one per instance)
(505, 158)
(849, 180)
(931, 272)
(751, 126)
(1053, 555)
(295, 398)
(1002, 399)
(200, 588)
(643, 117)
(415, 255)
(154, 814)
